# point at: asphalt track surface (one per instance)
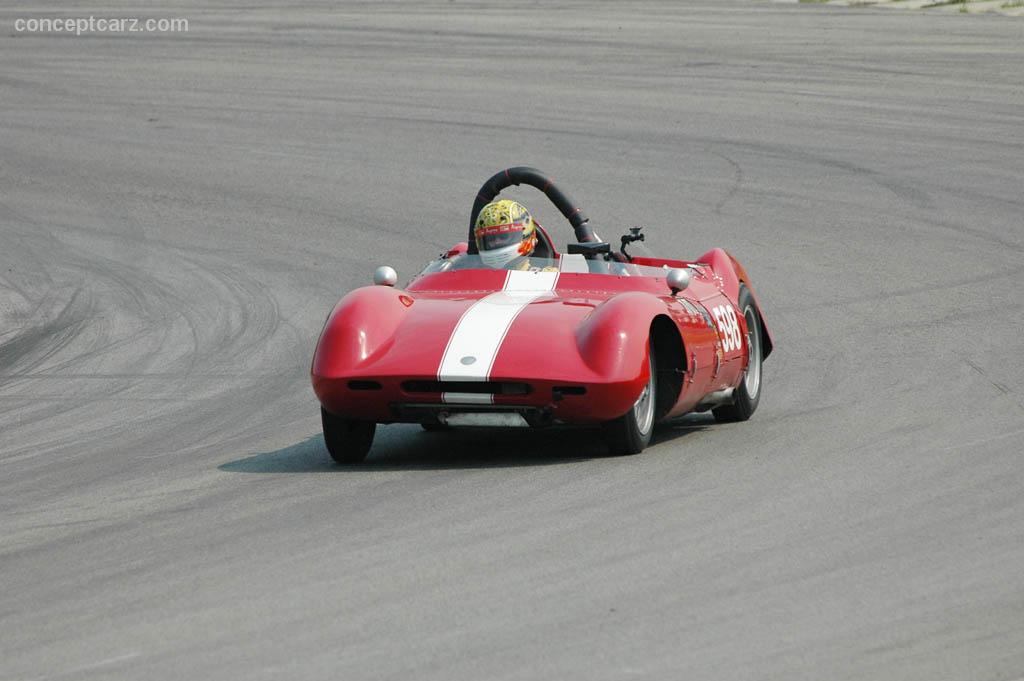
(179, 213)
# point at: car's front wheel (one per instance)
(631, 432)
(347, 441)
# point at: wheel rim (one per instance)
(643, 408)
(752, 377)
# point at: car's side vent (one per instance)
(364, 385)
(477, 387)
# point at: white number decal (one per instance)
(728, 327)
(736, 342)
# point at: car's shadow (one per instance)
(408, 447)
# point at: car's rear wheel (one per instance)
(347, 441)
(748, 393)
(631, 432)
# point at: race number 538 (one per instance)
(725, 317)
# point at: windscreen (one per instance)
(576, 264)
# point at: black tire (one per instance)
(347, 441)
(627, 434)
(748, 393)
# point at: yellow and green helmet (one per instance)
(504, 231)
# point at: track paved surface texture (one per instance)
(180, 212)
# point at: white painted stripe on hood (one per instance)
(477, 337)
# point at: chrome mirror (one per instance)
(385, 276)
(677, 279)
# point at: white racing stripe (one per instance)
(477, 338)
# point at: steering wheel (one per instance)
(535, 178)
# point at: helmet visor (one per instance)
(493, 237)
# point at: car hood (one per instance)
(470, 329)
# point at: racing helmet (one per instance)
(504, 231)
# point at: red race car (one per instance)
(588, 336)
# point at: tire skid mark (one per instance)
(37, 341)
(155, 338)
(1001, 387)
(906, 291)
(736, 183)
(904, 190)
(975, 232)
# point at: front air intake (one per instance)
(364, 385)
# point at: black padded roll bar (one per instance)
(534, 178)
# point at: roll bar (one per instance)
(534, 178)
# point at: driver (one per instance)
(506, 235)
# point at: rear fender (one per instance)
(732, 275)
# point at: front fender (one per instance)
(360, 328)
(612, 340)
